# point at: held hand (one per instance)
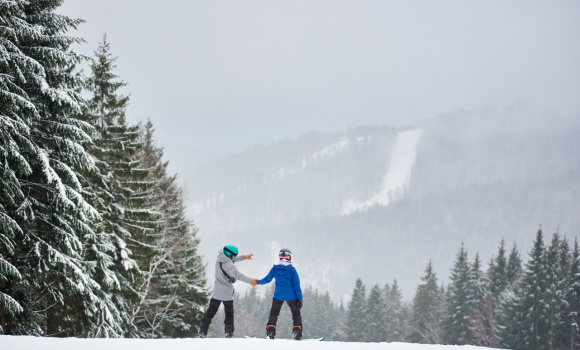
(248, 257)
(255, 282)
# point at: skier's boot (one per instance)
(297, 333)
(229, 331)
(202, 335)
(271, 331)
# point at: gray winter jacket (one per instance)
(223, 289)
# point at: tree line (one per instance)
(510, 305)
(94, 240)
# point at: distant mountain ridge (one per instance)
(379, 202)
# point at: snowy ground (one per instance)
(33, 343)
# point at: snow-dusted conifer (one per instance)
(355, 315)
(175, 290)
(459, 298)
(572, 321)
(393, 311)
(16, 115)
(497, 272)
(122, 184)
(47, 161)
(427, 311)
(535, 325)
(482, 323)
(557, 279)
(376, 321)
(514, 269)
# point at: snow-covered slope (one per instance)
(34, 343)
(398, 176)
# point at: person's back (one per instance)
(288, 290)
(226, 275)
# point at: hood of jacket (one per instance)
(221, 257)
(283, 270)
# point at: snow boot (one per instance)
(297, 333)
(270, 331)
(202, 335)
(229, 330)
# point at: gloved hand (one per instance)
(248, 257)
(255, 282)
(299, 303)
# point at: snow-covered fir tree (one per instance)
(175, 290)
(395, 317)
(497, 272)
(427, 311)
(514, 268)
(376, 320)
(482, 323)
(557, 274)
(17, 114)
(572, 318)
(355, 324)
(47, 160)
(535, 327)
(459, 301)
(125, 191)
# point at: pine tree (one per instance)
(514, 268)
(557, 280)
(331, 319)
(483, 327)
(394, 309)
(376, 322)
(459, 299)
(535, 325)
(427, 311)
(355, 314)
(497, 272)
(124, 192)
(175, 289)
(47, 162)
(249, 320)
(17, 114)
(572, 322)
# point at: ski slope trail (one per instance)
(41, 343)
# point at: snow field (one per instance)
(41, 343)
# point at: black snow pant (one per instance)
(275, 311)
(214, 305)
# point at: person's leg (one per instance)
(296, 318)
(214, 305)
(229, 320)
(273, 319)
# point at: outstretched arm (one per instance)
(243, 257)
(233, 271)
(268, 277)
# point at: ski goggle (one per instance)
(231, 254)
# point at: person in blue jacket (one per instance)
(287, 289)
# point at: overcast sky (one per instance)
(220, 76)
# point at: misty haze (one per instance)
(378, 203)
(421, 160)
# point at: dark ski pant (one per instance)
(275, 311)
(214, 305)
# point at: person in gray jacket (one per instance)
(223, 290)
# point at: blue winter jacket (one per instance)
(287, 282)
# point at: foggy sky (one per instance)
(218, 76)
